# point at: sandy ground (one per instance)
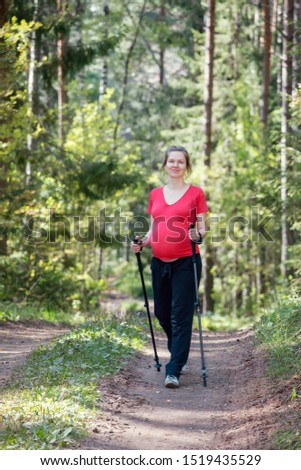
(234, 411)
(239, 409)
(18, 339)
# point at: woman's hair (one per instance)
(178, 148)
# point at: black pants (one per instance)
(174, 301)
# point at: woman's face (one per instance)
(175, 165)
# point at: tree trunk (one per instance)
(287, 42)
(274, 26)
(62, 91)
(296, 46)
(100, 263)
(257, 32)
(3, 12)
(80, 10)
(3, 164)
(208, 302)
(267, 61)
(162, 48)
(235, 44)
(208, 92)
(103, 83)
(33, 93)
(299, 41)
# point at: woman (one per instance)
(173, 208)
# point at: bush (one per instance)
(49, 285)
(279, 329)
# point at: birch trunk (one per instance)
(296, 46)
(267, 61)
(62, 92)
(287, 42)
(32, 88)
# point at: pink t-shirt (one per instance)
(169, 237)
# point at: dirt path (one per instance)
(235, 411)
(18, 339)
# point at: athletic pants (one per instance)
(174, 302)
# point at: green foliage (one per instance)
(49, 261)
(158, 84)
(279, 329)
(128, 280)
(217, 322)
(57, 391)
(101, 173)
(23, 311)
(48, 284)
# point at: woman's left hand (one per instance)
(193, 234)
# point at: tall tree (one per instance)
(33, 91)
(287, 42)
(103, 83)
(162, 47)
(296, 47)
(3, 12)
(274, 25)
(267, 61)
(208, 302)
(62, 40)
(3, 164)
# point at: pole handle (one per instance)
(192, 245)
(136, 241)
(140, 267)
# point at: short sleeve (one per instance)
(201, 203)
(150, 203)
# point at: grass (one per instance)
(279, 330)
(57, 391)
(52, 398)
(23, 311)
(216, 322)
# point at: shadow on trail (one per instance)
(140, 413)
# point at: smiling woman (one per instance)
(173, 209)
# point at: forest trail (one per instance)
(235, 411)
(19, 338)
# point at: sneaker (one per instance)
(171, 381)
(184, 369)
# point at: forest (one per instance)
(92, 92)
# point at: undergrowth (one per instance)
(217, 322)
(57, 391)
(22, 311)
(279, 330)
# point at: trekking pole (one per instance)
(198, 310)
(146, 305)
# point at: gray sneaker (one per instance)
(171, 381)
(184, 369)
